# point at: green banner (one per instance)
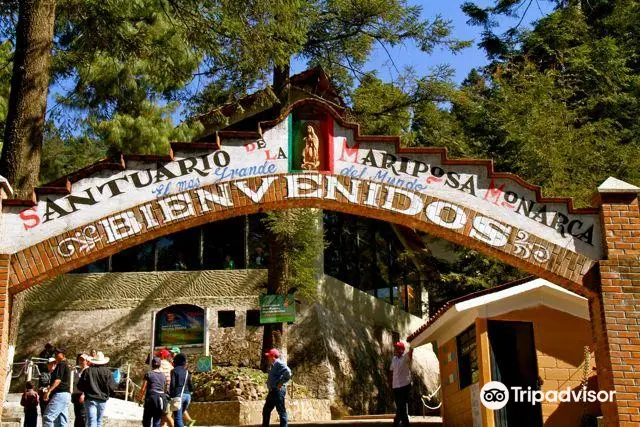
(277, 308)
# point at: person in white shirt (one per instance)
(400, 382)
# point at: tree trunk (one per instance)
(274, 334)
(281, 85)
(20, 162)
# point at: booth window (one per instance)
(253, 317)
(467, 357)
(226, 319)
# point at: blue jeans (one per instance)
(275, 399)
(57, 410)
(177, 415)
(95, 409)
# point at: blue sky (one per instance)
(409, 55)
(461, 62)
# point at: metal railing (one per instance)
(425, 399)
(30, 369)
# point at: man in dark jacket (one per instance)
(97, 384)
(58, 394)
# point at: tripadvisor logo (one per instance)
(495, 395)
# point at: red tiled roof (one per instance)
(467, 297)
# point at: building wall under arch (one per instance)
(112, 312)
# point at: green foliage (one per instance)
(298, 239)
(121, 63)
(381, 108)
(500, 46)
(460, 272)
(149, 132)
(340, 35)
(345, 33)
(63, 154)
(562, 110)
(120, 54)
(548, 148)
(410, 107)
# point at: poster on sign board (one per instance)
(180, 325)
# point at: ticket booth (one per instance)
(530, 334)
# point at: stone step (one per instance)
(17, 422)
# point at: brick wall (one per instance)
(4, 321)
(616, 312)
(456, 402)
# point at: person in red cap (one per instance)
(279, 375)
(400, 381)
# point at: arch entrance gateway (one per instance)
(312, 157)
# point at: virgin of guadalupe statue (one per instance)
(311, 152)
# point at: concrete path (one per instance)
(128, 414)
(367, 421)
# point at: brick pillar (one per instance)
(4, 325)
(616, 311)
(5, 269)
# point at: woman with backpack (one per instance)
(154, 396)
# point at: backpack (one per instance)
(45, 379)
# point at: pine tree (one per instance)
(25, 120)
(295, 247)
(560, 107)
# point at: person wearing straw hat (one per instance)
(97, 384)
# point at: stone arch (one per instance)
(123, 229)
(242, 172)
(116, 204)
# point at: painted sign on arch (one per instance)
(464, 196)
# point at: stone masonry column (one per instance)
(615, 313)
(4, 326)
(5, 314)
